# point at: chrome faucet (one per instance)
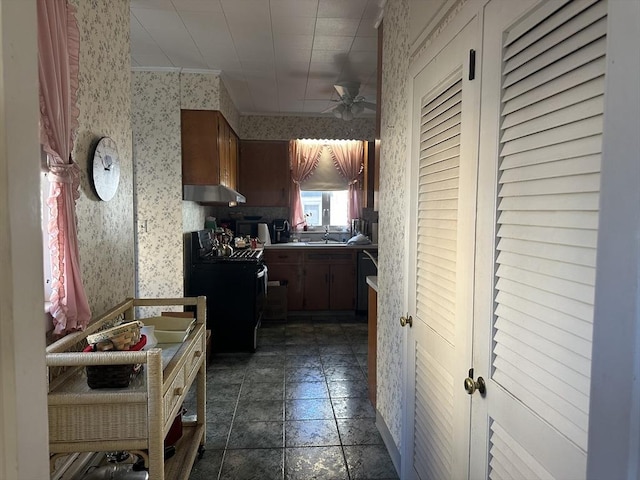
(326, 233)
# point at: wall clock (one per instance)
(106, 168)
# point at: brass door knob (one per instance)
(471, 385)
(408, 320)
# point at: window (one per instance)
(326, 208)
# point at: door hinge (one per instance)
(472, 64)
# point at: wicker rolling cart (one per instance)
(138, 417)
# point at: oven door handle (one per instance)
(262, 272)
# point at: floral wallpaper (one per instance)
(206, 91)
(391, 217)
(156, 136)
(285, 128)
(162, 217)
(105, 229)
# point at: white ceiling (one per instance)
(277, 57)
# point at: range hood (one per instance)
(211, 194)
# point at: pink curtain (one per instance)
(304, 157)
(348, 157)
(58, 61)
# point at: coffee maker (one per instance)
(281, 230)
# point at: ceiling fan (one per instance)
(350, 104)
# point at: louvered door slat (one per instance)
(592, 88)
(567, 288)
(449, 164)
(575, 148)
(529, 91)
(587, 54)
(564, 270)
(578, 165)
(518, 301)
(554, 301)
(440, 147)
(504, 445)
(442, 103)
(432, 415)
(563, 253)
(570, 114)
(508, 377)
(576, 201)
(585, 219)
(439, 125)
(566, 184)
(552, 332)
(578, 30)
(553, 378)
(573, 366)
(562, 236)
(561, 134)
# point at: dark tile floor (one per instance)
(296, 409)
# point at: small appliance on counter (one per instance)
(263, 234)
(281, 230)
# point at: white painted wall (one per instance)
(24, 431)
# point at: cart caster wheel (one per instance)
(201, 450)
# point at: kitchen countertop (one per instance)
(372, 281)
(306, 245)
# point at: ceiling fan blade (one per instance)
(331, 108)
(347, 89)
(369, 105)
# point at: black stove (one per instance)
(235, 287)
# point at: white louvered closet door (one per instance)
(545, 80)
(444, 161)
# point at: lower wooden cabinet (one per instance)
(286, 265)
(329, 280)
(316, 279)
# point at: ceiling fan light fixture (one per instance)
(357, 108)
(347, 115)
(337, 112)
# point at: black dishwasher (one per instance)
(366, 268)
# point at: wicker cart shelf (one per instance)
(136, 418)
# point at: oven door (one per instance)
(235, 300)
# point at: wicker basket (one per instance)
(120, 337)
(113, 376)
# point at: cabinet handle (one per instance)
(197, 354)
(178, 391)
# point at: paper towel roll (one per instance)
(263, 234)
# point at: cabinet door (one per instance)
(264, 174)
(292, 274)
(287, 265)
(342, 285)
(316, 287)
(200, 161)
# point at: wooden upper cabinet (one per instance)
(209, 149)
(264, 174)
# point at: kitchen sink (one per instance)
(332, 243)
